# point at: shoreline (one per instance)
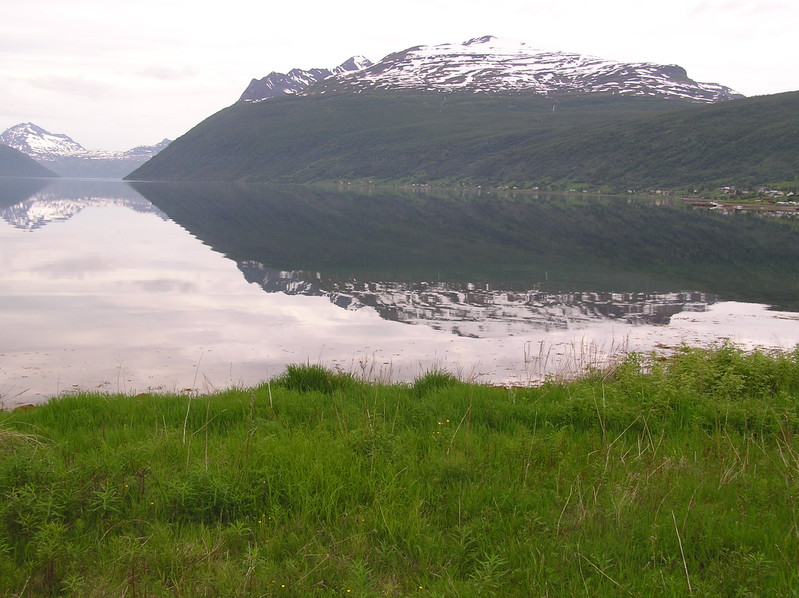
(408, 352)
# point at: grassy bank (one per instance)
(662, 478)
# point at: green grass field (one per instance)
(662, 477)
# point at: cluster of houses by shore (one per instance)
(761, 191)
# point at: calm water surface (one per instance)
(133, 288)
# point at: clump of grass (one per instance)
(314, 378)
(10, 440)
(433, 380)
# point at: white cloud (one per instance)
(166, 73)
(75, 86)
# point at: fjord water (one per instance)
(155, 286)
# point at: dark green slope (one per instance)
(390, 136)
(14, 163)
(742, 142)
(609, 141)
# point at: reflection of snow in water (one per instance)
(49, 206)
(252, 339)
(480, 312)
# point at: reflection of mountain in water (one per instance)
(469, 310)
(63, 199)
(554, 243)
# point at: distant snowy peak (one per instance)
(146, 151)
(40, 144)
(488, 64)
(34, 141)
(356, 63)
(297, 80)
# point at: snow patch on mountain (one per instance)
(489, 64)
(36, 142)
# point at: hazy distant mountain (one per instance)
(16, 164)
(296, 80)
(68, 158)
(40, 144)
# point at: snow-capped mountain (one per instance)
(67, 157)
(296, 80)
(40, 144)
(488, 64)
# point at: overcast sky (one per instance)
(115, 74)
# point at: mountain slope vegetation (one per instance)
(741, 142)
(388, 135)
(600, 140)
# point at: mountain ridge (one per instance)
(296, 80)
(492, 65)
